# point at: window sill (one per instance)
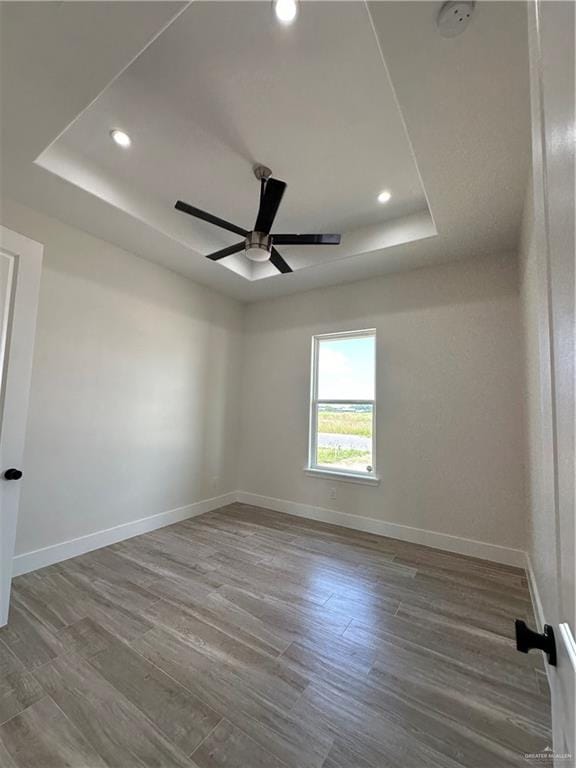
(346, 477)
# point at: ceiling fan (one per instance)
(259, 243)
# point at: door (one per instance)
(554, 141)
(20, 267)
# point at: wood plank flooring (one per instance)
(250, 639)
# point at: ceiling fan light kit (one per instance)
(259, 244)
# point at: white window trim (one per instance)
(343, 476)
(322, 470)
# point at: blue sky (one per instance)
(346, 369)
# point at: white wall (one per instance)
(134, 403)
(449, 388)
(141, 377)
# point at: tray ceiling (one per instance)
(226, 86)
(463, 103)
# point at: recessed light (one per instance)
(384, 196)
(286, 10)
(121, 138)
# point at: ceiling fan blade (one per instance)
(279, 262)
(226, 251)
(269, 203)
(199, 214)
(306, 239)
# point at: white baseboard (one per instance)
(445, 541)
(39, 558)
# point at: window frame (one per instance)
(313, 468)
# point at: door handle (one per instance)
(526, 639)
(12, 474)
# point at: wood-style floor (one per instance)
(250, 639)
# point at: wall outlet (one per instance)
(332, 494)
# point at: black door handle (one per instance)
(12, 474)
(527, 639)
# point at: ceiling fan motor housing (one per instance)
(258, 246)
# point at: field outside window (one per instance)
(343, 407)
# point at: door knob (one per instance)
(12, 474)
(526, 639)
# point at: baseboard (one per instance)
(457, 544)
(39, 558)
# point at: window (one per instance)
(343, 404)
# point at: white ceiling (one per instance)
(224, 86)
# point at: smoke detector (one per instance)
(454, 17)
